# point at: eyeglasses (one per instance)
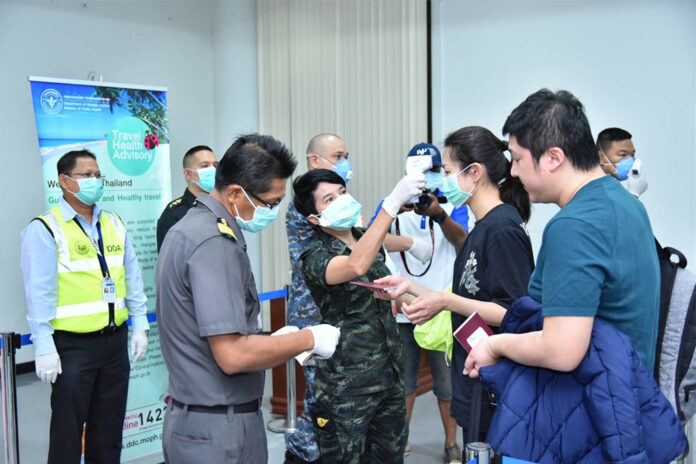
(263, 202)
(86, 175)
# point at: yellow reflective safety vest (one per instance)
(80, 307)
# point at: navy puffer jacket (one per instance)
(609, 409)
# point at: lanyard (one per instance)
(98, 247)
(403, 255)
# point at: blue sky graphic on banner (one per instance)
(126, 128)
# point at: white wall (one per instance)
(211, 79)
(631, 63)
(236, 90)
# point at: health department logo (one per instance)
(51, 101)
(82, 247)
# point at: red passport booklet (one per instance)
(372, 285)
(472, 331)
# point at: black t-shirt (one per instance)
(494, 264)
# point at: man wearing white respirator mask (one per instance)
(199, 171)
(617, 155)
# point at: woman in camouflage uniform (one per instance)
(359, 413)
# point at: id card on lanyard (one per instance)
(108, 284)
(109, 290)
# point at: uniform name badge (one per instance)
(109, 289)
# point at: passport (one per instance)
(473, 330)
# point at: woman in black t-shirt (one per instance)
(493, 266)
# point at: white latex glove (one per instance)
(138, 345)
(408, 187)
(325, 340)
(421, 250)
(288, 329)
(637, 181)
(48, 367)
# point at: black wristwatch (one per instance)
(440, 218)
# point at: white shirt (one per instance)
(439, 276)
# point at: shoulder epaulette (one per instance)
(225, 229)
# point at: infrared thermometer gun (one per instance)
(417, 165)
(635, 169)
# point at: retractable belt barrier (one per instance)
(10, 342)
(152, 317)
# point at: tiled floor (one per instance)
(426, 436)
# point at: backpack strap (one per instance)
(686, 349)
(674, 252)
(668, 272)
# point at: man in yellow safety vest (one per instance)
(82, 281)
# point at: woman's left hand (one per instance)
(424, 308)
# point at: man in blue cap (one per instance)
(434, 220)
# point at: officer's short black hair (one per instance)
(253, 161)
(67, 162)
(304, 187)
(192, 151)
(611, 135)
(549, 119)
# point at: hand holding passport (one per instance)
(473, 330)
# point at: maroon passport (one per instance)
(472, 331)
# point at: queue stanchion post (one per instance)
(289, 422)
(9, 342)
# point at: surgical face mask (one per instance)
(433, 180)
(343, 168)
(206, 178)
(342, 214)
(623, 167)
(455, 195)
(91, 190)
(262, 218)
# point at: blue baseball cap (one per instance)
(423, 149)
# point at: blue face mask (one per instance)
(206, 178)
(344, 169)
(623, 167)
(342, 214)
(433, 180)
(262, 218)
(455, 195)
(91, 190)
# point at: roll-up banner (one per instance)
(125, 126)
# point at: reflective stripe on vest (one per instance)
(80, 307)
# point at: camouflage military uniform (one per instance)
(359, 412)
(301, 312)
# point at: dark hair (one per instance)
(547, 119)
(304, 186)
(611, 135)
(67, 162)
(192, 151)
(253, 161)
(476, 144)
